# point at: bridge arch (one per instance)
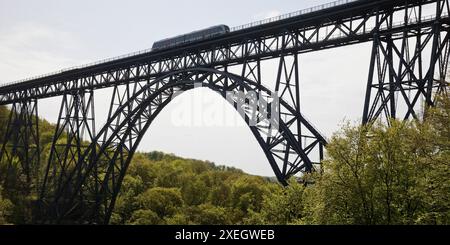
(101, 169)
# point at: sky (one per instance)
(38, 37)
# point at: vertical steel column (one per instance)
(373, 58)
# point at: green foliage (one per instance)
(207, 214)
(185, 191)
(434, 187)
(163, 201)
(5, 209)
(144, 217)
(247, 193)
(281, 206)
(372, 175)
(386, 175)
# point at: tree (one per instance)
(220, 194)
(6, 208)
(207, 214)
(162, 201)
(126, 203)
(281, 205)
(362, 178)
(144, 217)
(385, 175)
(145, 169)
(247, 193)
(194, 191)
(435, 186)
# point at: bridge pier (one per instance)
(74, 131)
(400, 75)
(20, 148)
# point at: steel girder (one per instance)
(104, 163)
(403, 79)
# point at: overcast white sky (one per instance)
(43, 36)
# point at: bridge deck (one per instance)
(307, 27)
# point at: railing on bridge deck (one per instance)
(292, 14)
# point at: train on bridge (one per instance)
(195, 36)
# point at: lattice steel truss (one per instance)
(399, 76)
(75, 130)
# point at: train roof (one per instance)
(193, 32)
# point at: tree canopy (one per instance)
(373, 174)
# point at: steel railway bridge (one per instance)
(82, 175)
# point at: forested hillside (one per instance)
(371, 175)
